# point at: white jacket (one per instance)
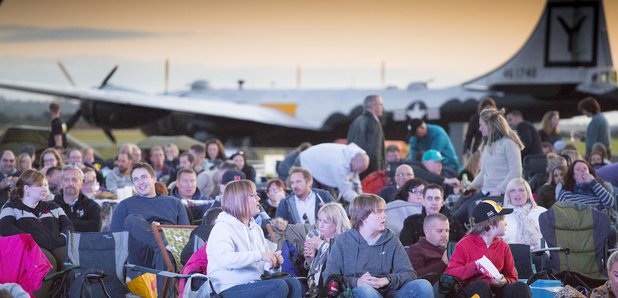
(234, 252)
(396, 213)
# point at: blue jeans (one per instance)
(414, 288)
(276, 288)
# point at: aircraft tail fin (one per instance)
(568, 47)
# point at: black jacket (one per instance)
(413, 227)
(366, 132)
(85, 213)
(47, 223)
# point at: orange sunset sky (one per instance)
(338, 43)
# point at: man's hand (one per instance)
(452, 182)
(6, 183)
(365, 280)
(372, 281)
(445, 257)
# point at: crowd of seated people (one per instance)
(395, 245)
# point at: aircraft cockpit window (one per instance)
(594, 78)
(604, 77)
(612, 77)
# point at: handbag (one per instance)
(450, 286)
(335, 286)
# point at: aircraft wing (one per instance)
(208, 107)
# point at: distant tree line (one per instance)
(30, 112)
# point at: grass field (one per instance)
(99, 141)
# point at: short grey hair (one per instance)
(611, 260)
(432, 217)
(80, 174)
(369, 100)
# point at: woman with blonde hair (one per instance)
(523, 223)
(332, 221)
(238, 253)
(500, 154)
(550, 132)
(500, 160)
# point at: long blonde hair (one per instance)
(546, 123)
(497, 126)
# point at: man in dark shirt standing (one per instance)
(57, 138)
(526, 132)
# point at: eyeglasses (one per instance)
(404, 175)
(433, 199)
(306, 218)
(416, 191)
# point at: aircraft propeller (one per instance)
(109, 76)
(75, 117)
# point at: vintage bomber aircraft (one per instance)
(566, 58)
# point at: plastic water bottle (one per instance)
(464, 180)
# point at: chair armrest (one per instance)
(163, 272)
(540, 251)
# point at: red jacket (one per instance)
(471, 248)
(22, 262)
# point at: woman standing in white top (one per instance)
(500, 154)
(523, 223)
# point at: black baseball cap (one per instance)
(232, 175)
(487, 209)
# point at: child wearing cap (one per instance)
(484, 241)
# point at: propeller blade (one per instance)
(74, 118)
(110, 136)
(166, 78)
(66, 73)
(109, 76)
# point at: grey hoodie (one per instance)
(352, 257)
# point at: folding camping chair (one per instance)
(523, 259)
(177, 237)
(101, 257)
(578, 235)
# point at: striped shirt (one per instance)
(47, 222)
(597, 196)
